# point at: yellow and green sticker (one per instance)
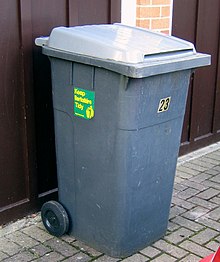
(84, 103)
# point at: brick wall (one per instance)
(154, 15)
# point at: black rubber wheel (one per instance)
(55, 218)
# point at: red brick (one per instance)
(166, 32)
(161, 23)
(148, 12)
(143, 2)
(165, 11)
(160, 2)
(138, 12)
(145, 23)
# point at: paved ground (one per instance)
(193, 232)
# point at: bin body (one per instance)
(116, 170)
(115, 174)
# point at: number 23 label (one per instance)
(164, 104)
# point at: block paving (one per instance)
(193, 230)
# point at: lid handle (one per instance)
(41, 41)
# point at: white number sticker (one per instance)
(164, 104)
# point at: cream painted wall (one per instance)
(128, 12)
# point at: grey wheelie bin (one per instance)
(119, 96)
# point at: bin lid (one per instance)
(115, 42)
(131, 51)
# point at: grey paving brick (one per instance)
(180, 187)
(37, 233)
(213, 245)
(9, 247)
(106, 259)
(179, 235)
(209, 223)
(212, 184)
(212, 172)
(202, 163)
(214, 156)
(210, 160)
(190, 258)
(203, 203)
(175, 211)
(170, 249)
(40, 250)
(204, 236)
(172, 226)
(182, 203)
(215, 178)
(215, 200)
(182, 175)
(188, 223)
(61, 247)
(22, 239)
(2, 256)
(196, 167)
(84, 247)
(186, 169)
(179, 179)
(68, 239)
(195, 248)
(136, 258)
(217, 152)
(50, 257)
(217, 168)
(23, 256)
(215, 214)
(80, 257)
(194, 185)
(217, 239)
(201, 177)
(12, 227)
(208, 193)
(195, 213)
(164, 258)
(175, 192)
(150, 252)
(189, 192)
(40, 225)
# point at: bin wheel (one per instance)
(55, 218)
